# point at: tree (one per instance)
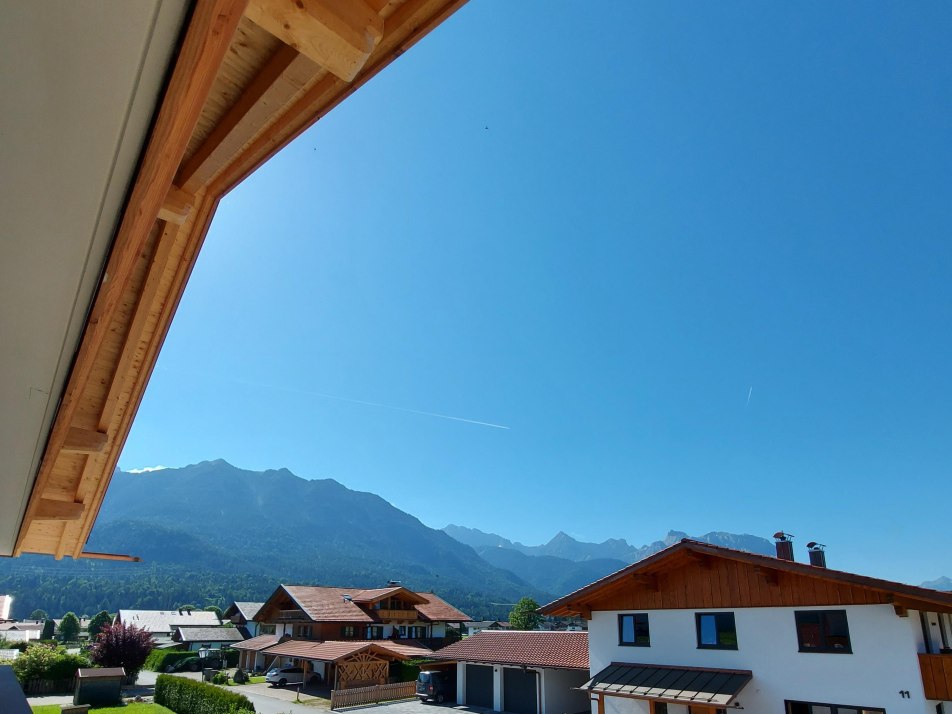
(188, 608)
(69, 627)
(215, 609)
(39, 615)
(524, 616)
(99, 621)
(49, 627)
(122, 645)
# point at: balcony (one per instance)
(290, 615)
(937, 676)
(411, 615)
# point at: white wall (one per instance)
(558, 693)
(883, 660)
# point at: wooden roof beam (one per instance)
(339, 35)
(285, 74)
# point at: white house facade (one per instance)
(698, 628)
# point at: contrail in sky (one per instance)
(749, 392)
(324, 395)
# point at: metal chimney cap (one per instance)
(813, 545)
(781, 536)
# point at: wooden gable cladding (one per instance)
(697, 575)
(242, 87)
(727, 584)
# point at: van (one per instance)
(436, 686)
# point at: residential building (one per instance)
(521, 672)
(241, 615)
(21, 631)
(347, 636)
(162, 623)
(214, 638)
(701, 628)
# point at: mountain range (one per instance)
(211, 533)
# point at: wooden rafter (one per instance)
(339, 35)
(203, 143)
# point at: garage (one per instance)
(479, 686)
(519, 691)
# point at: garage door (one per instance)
(519, 691)
(479, 686)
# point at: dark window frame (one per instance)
(826, 646)
(635, 616)
(720, 618)
(834, 708)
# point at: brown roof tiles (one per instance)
(327, 604)
(559, 650)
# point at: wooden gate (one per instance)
(362, 670)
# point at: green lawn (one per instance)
(128, 709)
(251, 680)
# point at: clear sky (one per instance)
(695, 257)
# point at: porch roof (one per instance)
(335, 650)
(256, 644)
(686, 685)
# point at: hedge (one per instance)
(159, 660)
(186, 696)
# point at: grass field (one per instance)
(128, 709)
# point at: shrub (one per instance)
(122, 645)
(47, 662)
(160, 660)
(220, 677)
(240, 676)
(185, 696)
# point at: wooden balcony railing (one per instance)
(937, 676)
(288, 615)
(411, 615)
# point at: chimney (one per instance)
(817, 554)
(784, 545)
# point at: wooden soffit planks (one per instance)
(235, 97)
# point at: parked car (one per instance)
(279, 676)
(436, 686)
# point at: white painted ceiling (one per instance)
(80, 81)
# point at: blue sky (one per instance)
(695, 257)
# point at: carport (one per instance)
(521, 672)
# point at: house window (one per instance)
(705, 710)
(374, 632)
(816, 708)
(266, 630)
(348, 632)
(659, 708)
(403, 630)
(416, 632)
(633, 630)
(716, 630)
(302, 630)
(823, 631)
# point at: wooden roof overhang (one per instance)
(249, 77)
(693, 574)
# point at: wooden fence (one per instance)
(49, 686)
(341, 698)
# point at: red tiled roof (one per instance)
(326, 604)
(436, 609)
(257, 643)
(365, 596)
(561, 650)
(333, 650)
(405, 650)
